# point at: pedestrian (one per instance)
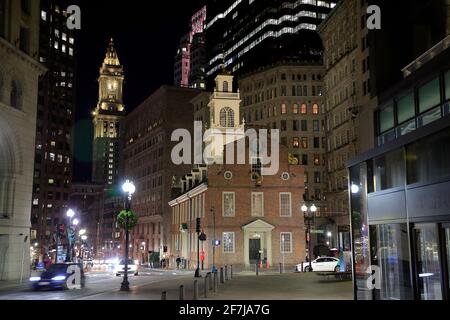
(178, 262)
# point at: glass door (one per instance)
(446, 244)
(428, 271)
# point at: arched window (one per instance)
(227, 117)
(225, 86)
(15, 95)
(315, 108)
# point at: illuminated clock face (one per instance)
(112, 85)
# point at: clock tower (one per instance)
(109, 112)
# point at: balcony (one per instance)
(225, 95)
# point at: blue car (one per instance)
(55, 277)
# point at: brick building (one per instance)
(249, 216)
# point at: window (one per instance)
(316, 126)
(295, 108)
(389, 170)
(257, 204)
(256, 166)
(285, 204)
(228, 242)
(52, 156)
(51, 181)
(304, 143)
(286, 242)
(228, 204)
(429, 95)
(70, 51)
(227, 117)
(283, 109)
(304, 125)
(304, 109)
(316, 160)
(283, 125)
(316, 143)
(296, 142)
(44, 15)
(447, 85)
(225, 86)
(296, 125)
(386, 119)
(15, 95)
(405, 108)
(317, 177)
(315, 108)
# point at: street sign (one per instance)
(317, 231)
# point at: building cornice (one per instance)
(23, 56)
(190, 194)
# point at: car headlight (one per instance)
(59, 278)
(35, 278)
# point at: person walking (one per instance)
(178, 262)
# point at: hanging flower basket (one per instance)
(132, 219)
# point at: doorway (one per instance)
(254, 250)
(428, 261)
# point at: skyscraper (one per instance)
(55, 119)
(107, 116)
(244, 35)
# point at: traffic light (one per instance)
(198, 225)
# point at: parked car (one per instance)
(55, 277)
(132, 268)
(329, 264)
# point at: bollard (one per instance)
(281, 269)
(195, 290)
(256, 269)
(221, 275)
(164, 295)
(303, 270)
(205, 286)
(209, 274)
(231, 271)
(216, 285)
(226, 273)
(181, 292)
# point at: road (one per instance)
(99, 285)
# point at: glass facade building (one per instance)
(400, 204)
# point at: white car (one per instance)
(328, 264)
(120, 268)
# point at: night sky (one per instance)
(146, 36)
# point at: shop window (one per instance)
(389, 170)
(405, 108)
(429, 158)
(390, 251)
(429, 95)
(386, 119)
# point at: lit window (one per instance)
(52, 156)
(63, 48)
(303, 109)
(44, 15)
(57, 33)
(64, 36)
(296, 142)
(53, 143)
(283, 109)
(295, 108)
(71, 41)
(60, 158)
(228, 242)
(315, 108)
(51, 181)
(305, 143)
(56, 45)
(35, 202)
(70, 51)
(49, 206)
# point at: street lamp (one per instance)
(129, 188)
(70, 214)
(213, 212)
(308, 216)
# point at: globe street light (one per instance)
(129, 189)
(308, 216)
(70, 214)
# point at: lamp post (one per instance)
(70, 213)
(129, 188)
(308, 216)
(213, 212)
